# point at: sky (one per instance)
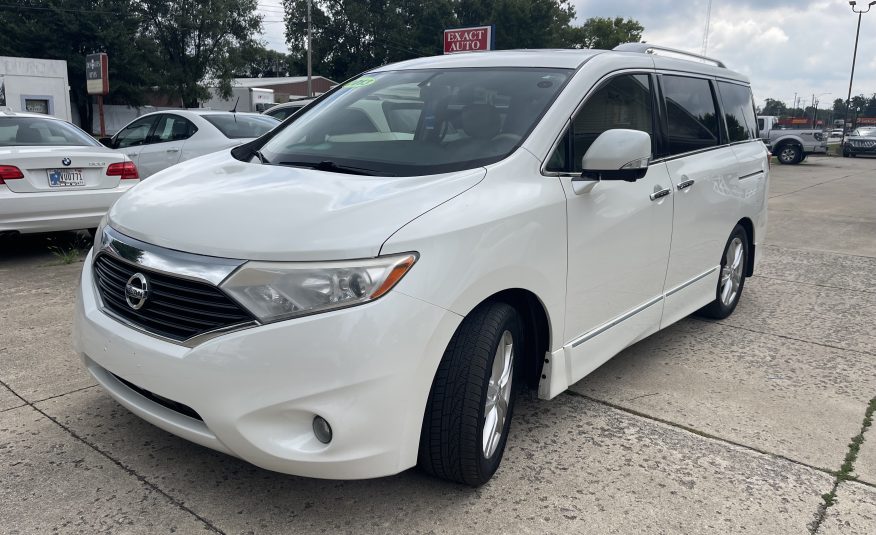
(783, 46)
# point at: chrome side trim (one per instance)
(684, 285)
(209, 269)
(749, 175)
(606, 326)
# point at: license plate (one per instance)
(62, 178)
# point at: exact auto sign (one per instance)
(472, 39)
(96, 74)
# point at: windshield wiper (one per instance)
(332, 167)
(258, 154)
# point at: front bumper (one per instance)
(851, 149)
(367, 370)
(56, 210)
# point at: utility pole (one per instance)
(853, 3)
(309, 53)
(706, 31)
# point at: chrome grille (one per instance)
(863, 143)
(176, 308)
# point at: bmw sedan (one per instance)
(158, 140)
(54, 176)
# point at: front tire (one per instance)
(732, 277)
(790, 154)
(471, 402)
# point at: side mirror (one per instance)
(106, 142)
(617, 154)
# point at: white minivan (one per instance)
(364, 288)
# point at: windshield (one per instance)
(35, 131)
(237, 126)
(864, 132)
(419, 122)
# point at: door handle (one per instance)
(686, 184)
(132, 155)
(660, 193)
(174, 149)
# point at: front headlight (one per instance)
(98, 236)
(275, 291)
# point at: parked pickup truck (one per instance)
(790, 146)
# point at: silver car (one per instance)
(158, 140)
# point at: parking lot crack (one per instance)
(698, 432)
(859, 290)
(846, 471)
(64, 394)
(786, 337)
(209, 525)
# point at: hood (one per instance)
(218, 206)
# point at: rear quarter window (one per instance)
(738, 111)
(237, 126)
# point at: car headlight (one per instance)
(98, 236)
(275, 291)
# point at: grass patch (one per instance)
(845, 473)
(69, 249)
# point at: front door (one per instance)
(618, 235)
(165, 145)
(130, 139)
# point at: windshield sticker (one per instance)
(360, 82)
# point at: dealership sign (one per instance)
(472, 39)
(97, 74)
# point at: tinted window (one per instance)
(282, 113)
(738, 111)
(28, 131)
(172, 128)
(419, 122)
(135, 133)
(691, 116)
(237, 126)
(623, 102)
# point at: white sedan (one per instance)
(54, 176)
(158, 140)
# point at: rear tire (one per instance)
(731, 278)
(789, 154)
(468, 414)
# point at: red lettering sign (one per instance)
(474, 39)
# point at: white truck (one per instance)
(790, 146)
(251, 99)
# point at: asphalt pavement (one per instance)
(754, 424)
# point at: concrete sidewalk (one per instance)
(737, 426)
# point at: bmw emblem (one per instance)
(66, 161)
(137, 291)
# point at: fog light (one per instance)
(322, 429)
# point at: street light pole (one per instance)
(309, 55)
(853, 3)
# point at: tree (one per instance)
(56, 29)
(839, 107)
(198, 43)
(350, 36)
(774, 107)
(606, 33)
(262, 62)
(870, 109)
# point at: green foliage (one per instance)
(178, 47)
(59, 29)
(606, 33)
(197, 43)
(774, 107)
(350, 36)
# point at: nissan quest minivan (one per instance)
(366, 287)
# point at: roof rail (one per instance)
(647, 48)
